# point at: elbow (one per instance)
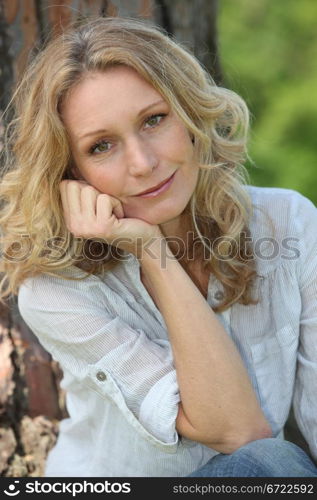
(261, 431)
(234, 442)
(229, 441)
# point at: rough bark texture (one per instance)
(31, 400)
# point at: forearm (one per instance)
(218, 400)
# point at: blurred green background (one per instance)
(268, 51)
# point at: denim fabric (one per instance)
(262, 458)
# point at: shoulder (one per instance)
(284, 207)
(273, 197)
(283, 223)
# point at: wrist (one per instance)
(155, 254)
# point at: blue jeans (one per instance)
(262, 458)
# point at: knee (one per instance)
(270, 457)
(270, 448)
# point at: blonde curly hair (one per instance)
(34, 236)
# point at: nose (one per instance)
(140, 156)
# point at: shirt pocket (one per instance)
(274, 361)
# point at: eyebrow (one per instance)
(103, 131)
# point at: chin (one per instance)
(161, 214)
(164, 222)
(155, 220)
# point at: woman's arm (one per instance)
(218, 405)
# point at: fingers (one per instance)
(64, 198)
(90, 214)
(108, 205)
(118, 210)
(70, 194)
(78, 197)
(88, 197)
(87, 211)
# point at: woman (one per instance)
(141, 270)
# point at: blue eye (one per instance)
(100, 147)
(155, 119)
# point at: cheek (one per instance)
(175, 141)
(183, 149)
(105, 182)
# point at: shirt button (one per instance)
(101, 376)
(218, 295)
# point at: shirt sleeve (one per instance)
(305, 391)
(104, 353)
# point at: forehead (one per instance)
(117, 90)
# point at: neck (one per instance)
(176, 228)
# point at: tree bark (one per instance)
(31, 401)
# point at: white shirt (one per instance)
(113, 347)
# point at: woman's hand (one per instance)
(91, 214)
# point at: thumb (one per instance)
(118, 209)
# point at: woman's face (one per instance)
(125, 140)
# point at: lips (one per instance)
(156, 187)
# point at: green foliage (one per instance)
(268, 50)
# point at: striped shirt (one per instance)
(112, 344)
